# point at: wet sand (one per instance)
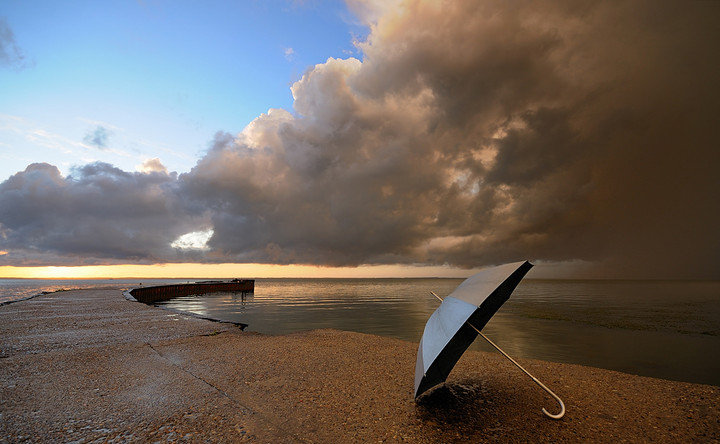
(88, 364)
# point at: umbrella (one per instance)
(458, 321)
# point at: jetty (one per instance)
(88, 365)
(150, 295)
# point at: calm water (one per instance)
(665, 329)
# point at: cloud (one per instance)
(196, 240)
(98, 137)
(98, 214)
(289, 54)
(552, 131)
(152, 166)
(469, 134)
(11, 56)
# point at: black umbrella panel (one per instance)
(458, 321)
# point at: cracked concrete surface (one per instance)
(89, 365)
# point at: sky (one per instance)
(367, 138)
(122, 82)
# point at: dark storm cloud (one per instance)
(98, 214)
(98, 137)
(474, 133)
(10, 53)
(480, 132)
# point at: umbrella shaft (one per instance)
(558, 416)
(496, 347)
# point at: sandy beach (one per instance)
(87, 365)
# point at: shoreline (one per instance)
(88, 364)
(32, 296)
(128, 296)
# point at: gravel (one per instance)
(88, 365)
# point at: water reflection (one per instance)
(663, 329)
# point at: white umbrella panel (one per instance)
(458, 321)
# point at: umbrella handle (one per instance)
(557, 398)
(550, 392)
(542, 386)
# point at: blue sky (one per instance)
(160, 77)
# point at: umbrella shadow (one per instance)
(458, 403)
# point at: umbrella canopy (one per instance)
(449, 331)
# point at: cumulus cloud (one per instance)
(481, 132)
(470, 133)
(98, 214)
(98, 137)
(153, 165)
(196, 240)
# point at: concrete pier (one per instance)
(89, 365)
(158, 293)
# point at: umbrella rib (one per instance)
(543, 386)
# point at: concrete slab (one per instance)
(89, 365)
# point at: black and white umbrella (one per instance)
(458, 321)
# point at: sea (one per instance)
(663, 329)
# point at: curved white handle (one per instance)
(557, 398)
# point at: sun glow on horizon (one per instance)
(228, 270)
